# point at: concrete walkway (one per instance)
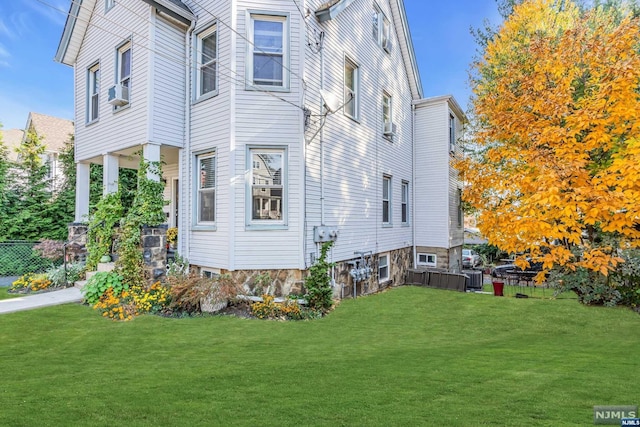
(29, 302)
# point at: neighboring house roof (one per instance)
(80, 14)
(54, 131)
(11, 139)
(444, 98)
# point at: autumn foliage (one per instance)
(556, 172)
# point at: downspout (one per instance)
(322, 139)
(185, 160)
(413, 186)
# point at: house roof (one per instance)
(453, 104)
(331, 9)
(80, 14)
(54, 131)
(12, 138)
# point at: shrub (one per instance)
(287, 310)
(189, 290)
(591, 288)
(53, 250)
(73, 274)
(99, 283)
(318, 282)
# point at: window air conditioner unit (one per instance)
(390, 129)
(118, 95)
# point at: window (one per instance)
(386, 200)
(459, 208)
(405, 202)
(381, 29)
(123, 72)
(383, 268)
(387, 129)
(108, 4)
(267, 185)
(206, 188)
(93, 93)
(351, 82)
(429, 260)
(452, 133)
(269, 52)
(207, 61)
(209, 273)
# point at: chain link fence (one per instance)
(19, 257)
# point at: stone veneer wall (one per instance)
(77, 241)
(286, 282)
(154, 251)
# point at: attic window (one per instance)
(381, 29)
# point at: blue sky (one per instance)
(31, 81)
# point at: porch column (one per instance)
(82, 192)
(110, 168)
(151, 153)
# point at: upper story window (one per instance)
(351, 83)
(93, 93)
(206, 186)
(381, 29)
(386, 200)
(207, 61)
(120, 93)
(405, 202)
(452, 132)
(267, 185)
(388, 128)
(108, 4)
(269, 53)
(460, 213)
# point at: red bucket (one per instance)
(498, 288)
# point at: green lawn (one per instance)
(411, 356)
(4, 294)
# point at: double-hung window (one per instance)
(123, 74)
(405, 202)
(351, 82)
(267, 64)
(267, 185)
(386, 200)
(381, 29)
(459, 211)
(93, 92)
(206, 199)
(387, 121)
(207, 61)
(452, 133)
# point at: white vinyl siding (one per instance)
(268, 59)
(93, 93)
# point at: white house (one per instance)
(282, 123)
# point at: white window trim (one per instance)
(266, 224)
(405, 202)
(382, 28)
(387, 178)
(210, 273)
(204, 225)
(389, 119)
(206, 32)
(386, 278)
(127, 45)
(452, 133)
(90, 94)
(427, 263)
(286, 47)
(108, 5)
(355, 91)
(459, 212)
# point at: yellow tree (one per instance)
(557, 171)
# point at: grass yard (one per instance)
(4, 294)
(411, 356)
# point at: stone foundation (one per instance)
(77, 242)
(154, 251)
